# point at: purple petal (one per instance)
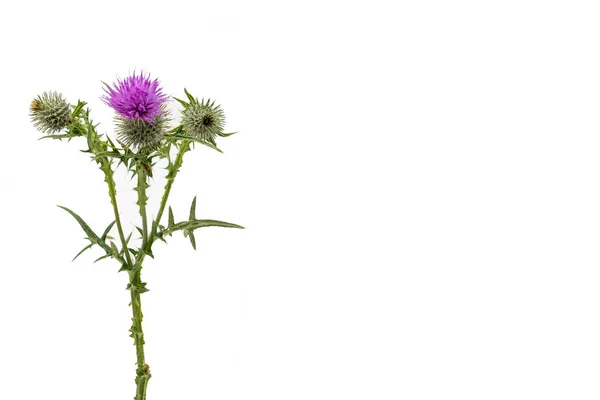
(136, 97)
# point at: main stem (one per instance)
(142, 373)
(137, 287)
(173, 170)
(143, 370)
(135, 280)
(135, 283)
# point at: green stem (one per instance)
(137, 287)
(173, 170)
(142, 198)
(142, 375)
(112, 193)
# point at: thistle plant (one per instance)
(144, 136)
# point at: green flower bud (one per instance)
(203, 120)
(50, 112)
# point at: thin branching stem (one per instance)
(142, 198)
(173, 170)
(112, 192)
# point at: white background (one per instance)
(418, 179)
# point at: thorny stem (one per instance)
(143, 370)
(174, 169)
(112, 192)
(135, 282)
(141, 190)
(135, 287)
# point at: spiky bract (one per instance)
(203, 120)
(142, 135)
(50, 112)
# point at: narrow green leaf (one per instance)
(124, 267)
(177, 129)
(189, 96)
(114, 250)
(86, 228)
(110, 142)
(208, 144)
(171, 217)
(61, 136)
(129, 237)
(226, 134)
(107, 230)
(193, 240)
(183, 103)
(181, 136)
(102, 258)
(189, 226)
(193, 210)
(78, 108)
(84, 249)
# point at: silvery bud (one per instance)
(50, 112)
(203, 120)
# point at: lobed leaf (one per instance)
(190, 226)
(86, 228)
(181, 136)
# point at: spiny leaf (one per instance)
(193, 239)
(183, 103)
(164, 151)
(177, 129)
(114, 250)
(171, 217)
(124, 267)
(61, 136)
(189, 96)
(193, 210)
(128, 238)
(189, 226)
(86, 228)
(123, 157)
(110, 142)
(103, 257)
(181, 136)
(107, 230)
(78, 108)
(84, 249)
(137, 287)
(226, 134)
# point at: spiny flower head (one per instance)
(142, 135)
(50, 112)
(203, 119)
(136, 97)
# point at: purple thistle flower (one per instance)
(136, 97)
